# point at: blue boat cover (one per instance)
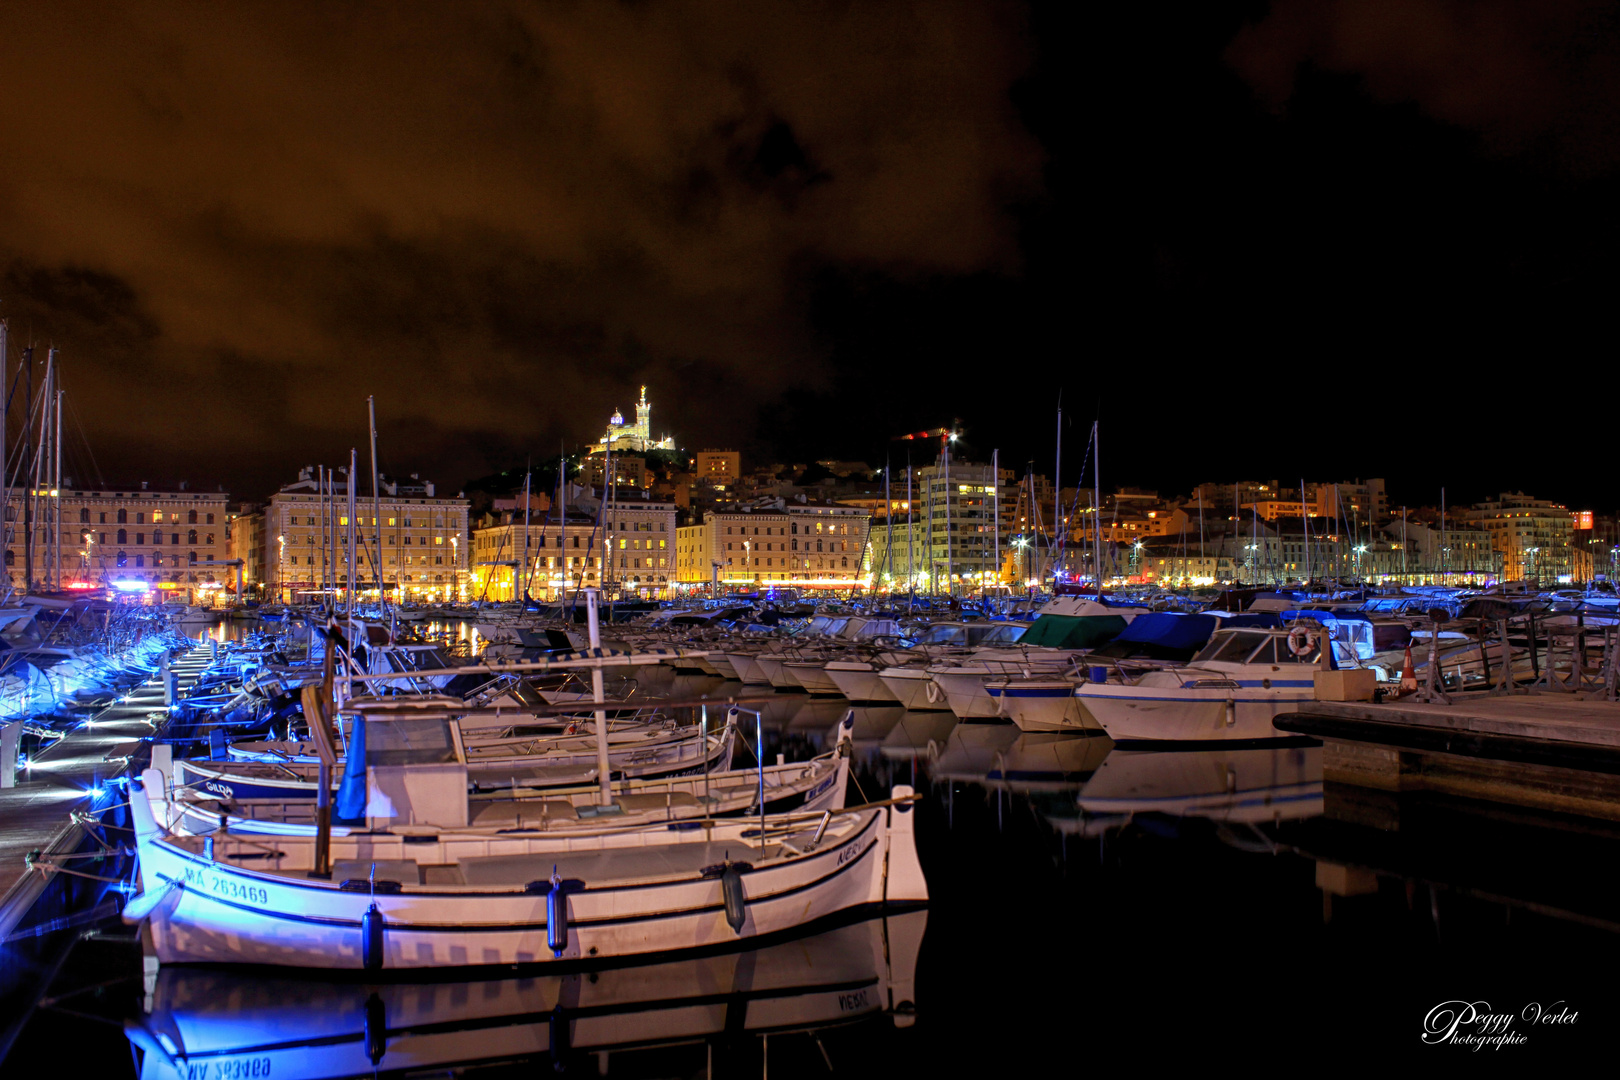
(1171, 629)
(1254, 620)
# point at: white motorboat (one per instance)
(1041, 703)
(1230, 691)
(913, 686)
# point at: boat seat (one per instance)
(506, 812)
(404, 871)
(634, 804)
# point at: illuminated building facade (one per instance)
(1531, 537)
(637, 558)
(719, 469)
(162, 542)
(423, 540)
(950, 544)
(807, 546)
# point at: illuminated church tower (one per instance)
(621, 437)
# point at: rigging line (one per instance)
(78, 427)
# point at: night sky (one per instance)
(1331, 239)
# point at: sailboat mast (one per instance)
(1444, 561)
(376, 501)
(995, 512)
(1057, 496)
(5, 410)
(911, 543)
(1096, 501)
(1305, 524)
(528, 472)
(348, 590)
(562, 519)
(56, 495)
(888, 521)
(950, 541)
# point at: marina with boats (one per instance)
(300, 824)
(329, 792)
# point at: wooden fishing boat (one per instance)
(421, 896)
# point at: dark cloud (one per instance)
(1540, 79)
(237, 222)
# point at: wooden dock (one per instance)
(1550, 751)
(38, 814)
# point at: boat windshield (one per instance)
(944, 635)
(414, 741)
(821, 624)
(1231, 646)
(1002, 634)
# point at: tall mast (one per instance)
(888, 520)
(1096, 498)
(32, 469)
(320, 500)
(950, 541)
(376, 500)
(1443, 559)
(995, 511)
(527, 473)
(1200, 525)
(911, 541)
(1305, 524)
(562, 519)
(5, 410)
(56, 496)
(349, 590)
(1057, 497)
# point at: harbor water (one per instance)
(1189, 908)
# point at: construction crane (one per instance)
(945, 435)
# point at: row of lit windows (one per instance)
(410, 523)
(832, 527)
(122, 517)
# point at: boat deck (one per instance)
(37, 814)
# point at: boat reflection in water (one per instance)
(242, 1024)
(1249, 785)
(1001, 756)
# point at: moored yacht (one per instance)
(1230, 691)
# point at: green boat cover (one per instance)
(1073, 631)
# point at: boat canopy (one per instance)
(1073, 631)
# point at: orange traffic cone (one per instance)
(1408, 674)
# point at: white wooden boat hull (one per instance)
(217, 912)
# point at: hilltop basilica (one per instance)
(621, 437)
